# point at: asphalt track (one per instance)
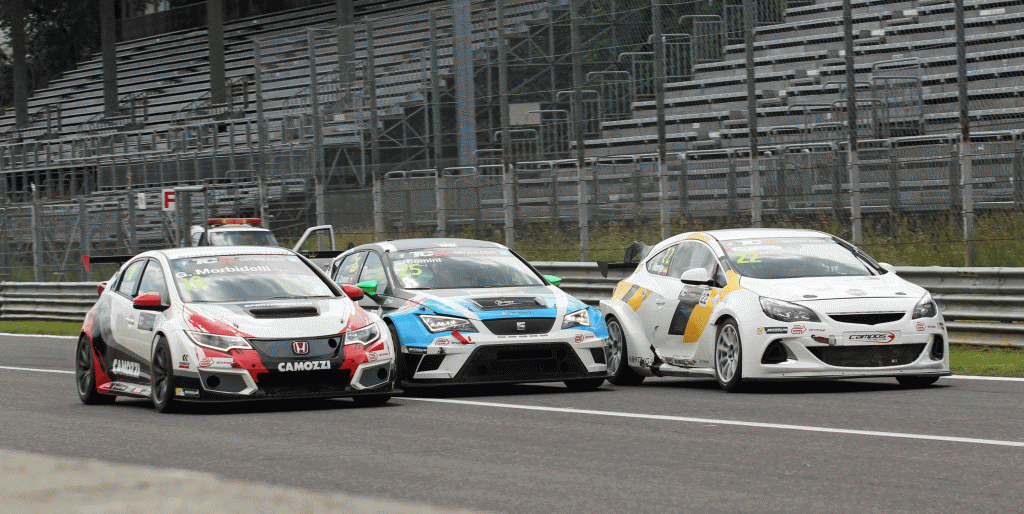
(670, 445)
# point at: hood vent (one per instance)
(509, 303)
(297, 311)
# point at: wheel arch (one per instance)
(637, 344)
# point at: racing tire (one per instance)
(400, 365)
(371, 400)
(85, 376)
(584, 384)
(916, 382)
(728, 357)
(619, 371)
(162, 391)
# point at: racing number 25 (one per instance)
(409, 270)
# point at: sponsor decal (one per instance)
(232, 269)
(146, 321)
(377, 355)
(520, 325)
(303, 366)
(118, 387)
(857, 292)
(920, 326)
(178, 391)
(300, 347)
(414, 349)
(217, 362)
(798, 329)
(127, 368)
(137, 390)
(705, 297)
(640, 361)
(873, 337)
(514, 313)
(579, 338)
(682, 363)
(184, 361)
(773, 330)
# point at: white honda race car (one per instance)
(770, 304)
(230, 323)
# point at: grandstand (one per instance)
(166, 132)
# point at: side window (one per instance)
(349, 269)
(374, 270)
(660, 263)
(131, 278)
(153, 280)
(702, 258)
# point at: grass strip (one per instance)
(986, 360)
(49, 328)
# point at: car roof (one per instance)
(430, 242)
(237, 228)
(755, 233)
(214, 251)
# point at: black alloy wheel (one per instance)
(163, 378)
(85, 376)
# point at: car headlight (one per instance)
(785, 311)
(926, 308)
(217, 342)
(446, 323)
(580, 318)
(364, 336)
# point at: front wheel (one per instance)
(584, 384)
(85, 375)
(400, 364)
(618, 357)
(163, 378)
(914, 382)
(728, 357)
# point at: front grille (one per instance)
(868, 318)
(431, 362)
(874, 356)
(304, 382)
(522, 362)
(510, 326)
(509, 303)
(326, 346)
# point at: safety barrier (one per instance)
(986, 304)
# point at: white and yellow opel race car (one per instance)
(770, 304)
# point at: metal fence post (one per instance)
(684, 190)
(133, 245)
(894, 184)
(506, 137)
(318, 135)
(555, 210)
(84, 234)
(439, 195)
(378, 209)
(954, 180)
(37, 236)
(1018, 177)
(730, 185)
(781, 193)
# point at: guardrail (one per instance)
(979, 304)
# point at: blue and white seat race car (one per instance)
(464, 311)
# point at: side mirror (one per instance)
(102, 286)
(149, 302)
(889, 268)
(697, 277)
(369, 287)
(555, 281)
(352, 291)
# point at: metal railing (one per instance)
(979, 304)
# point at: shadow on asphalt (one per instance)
(792, 387)
(463, 391)
(252, 406)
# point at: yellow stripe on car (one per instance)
(702, 313)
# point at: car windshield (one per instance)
(237, 278)
(461, 268)
(243, 238)
(793, 257)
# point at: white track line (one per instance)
(44, 336)
(38, 370)
(999, 379)
(755, 424)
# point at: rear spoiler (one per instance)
(634, 254)
(88, 260)
(322, 254)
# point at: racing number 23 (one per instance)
(409, 270)
(746, 257)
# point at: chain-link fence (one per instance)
(567, 129)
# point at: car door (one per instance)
(126, 363)
(666, 295)
(373, 269)
(692, 308)
(661, 295)
(140, 334)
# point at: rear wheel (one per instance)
(163, 378)
(85, 375)
(584, 384)
(914, 382)
(618, 358)
(728, 357)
